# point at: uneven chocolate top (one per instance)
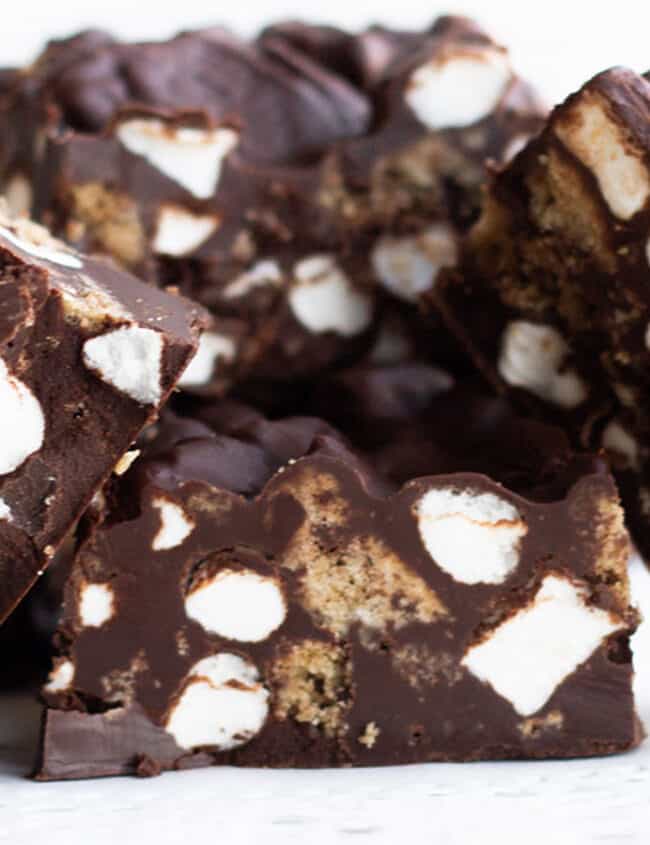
(287, 106)
(413, 420)
(374, 631)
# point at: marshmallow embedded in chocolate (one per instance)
(319, 614)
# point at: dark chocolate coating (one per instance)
(291, 493)
(48, 311)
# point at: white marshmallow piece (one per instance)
(532, 357)
(22, 424)
(190, 156)
(617, 439)
(175, 525)
(179, 232)
(261, 274)
(458, 90)
(5, 511)
(238, 605)
(55, 256)
(601, 145)
(18, 193)
(223, 704)
(129, 359)
(409, 266)
(323, 299)
(474, 537)
(213, 348)
(530, 654)
(96, 604)
(60, 677)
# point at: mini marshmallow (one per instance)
(532, 356)
(96, 604)
(529, 655)
(261, 274)
(175, 526)
(460, 90)
(474, 537)
(55, 256)
(130, 359)
(179, 232)
(213, 348)
(60, 677)
(603, 147)
(323, 298)
(189, 156)
(223, 704)
(409, 266)
(238, 605)
(5, 511)
(22, 424)
(617, 439)
(18, 193)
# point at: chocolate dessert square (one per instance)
(88, 355)
(255, 594)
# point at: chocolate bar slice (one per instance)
(88, 354)
(257, 595)
(552, 297)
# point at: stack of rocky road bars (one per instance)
(315, 372)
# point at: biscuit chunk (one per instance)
(551, 296)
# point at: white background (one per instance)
(557, 45)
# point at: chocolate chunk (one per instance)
(88, 355)
(312, 613)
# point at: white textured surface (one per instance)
(572, 802)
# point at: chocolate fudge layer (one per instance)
(88, 354)
(552, 297)
(274, 183)
(257, 595)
